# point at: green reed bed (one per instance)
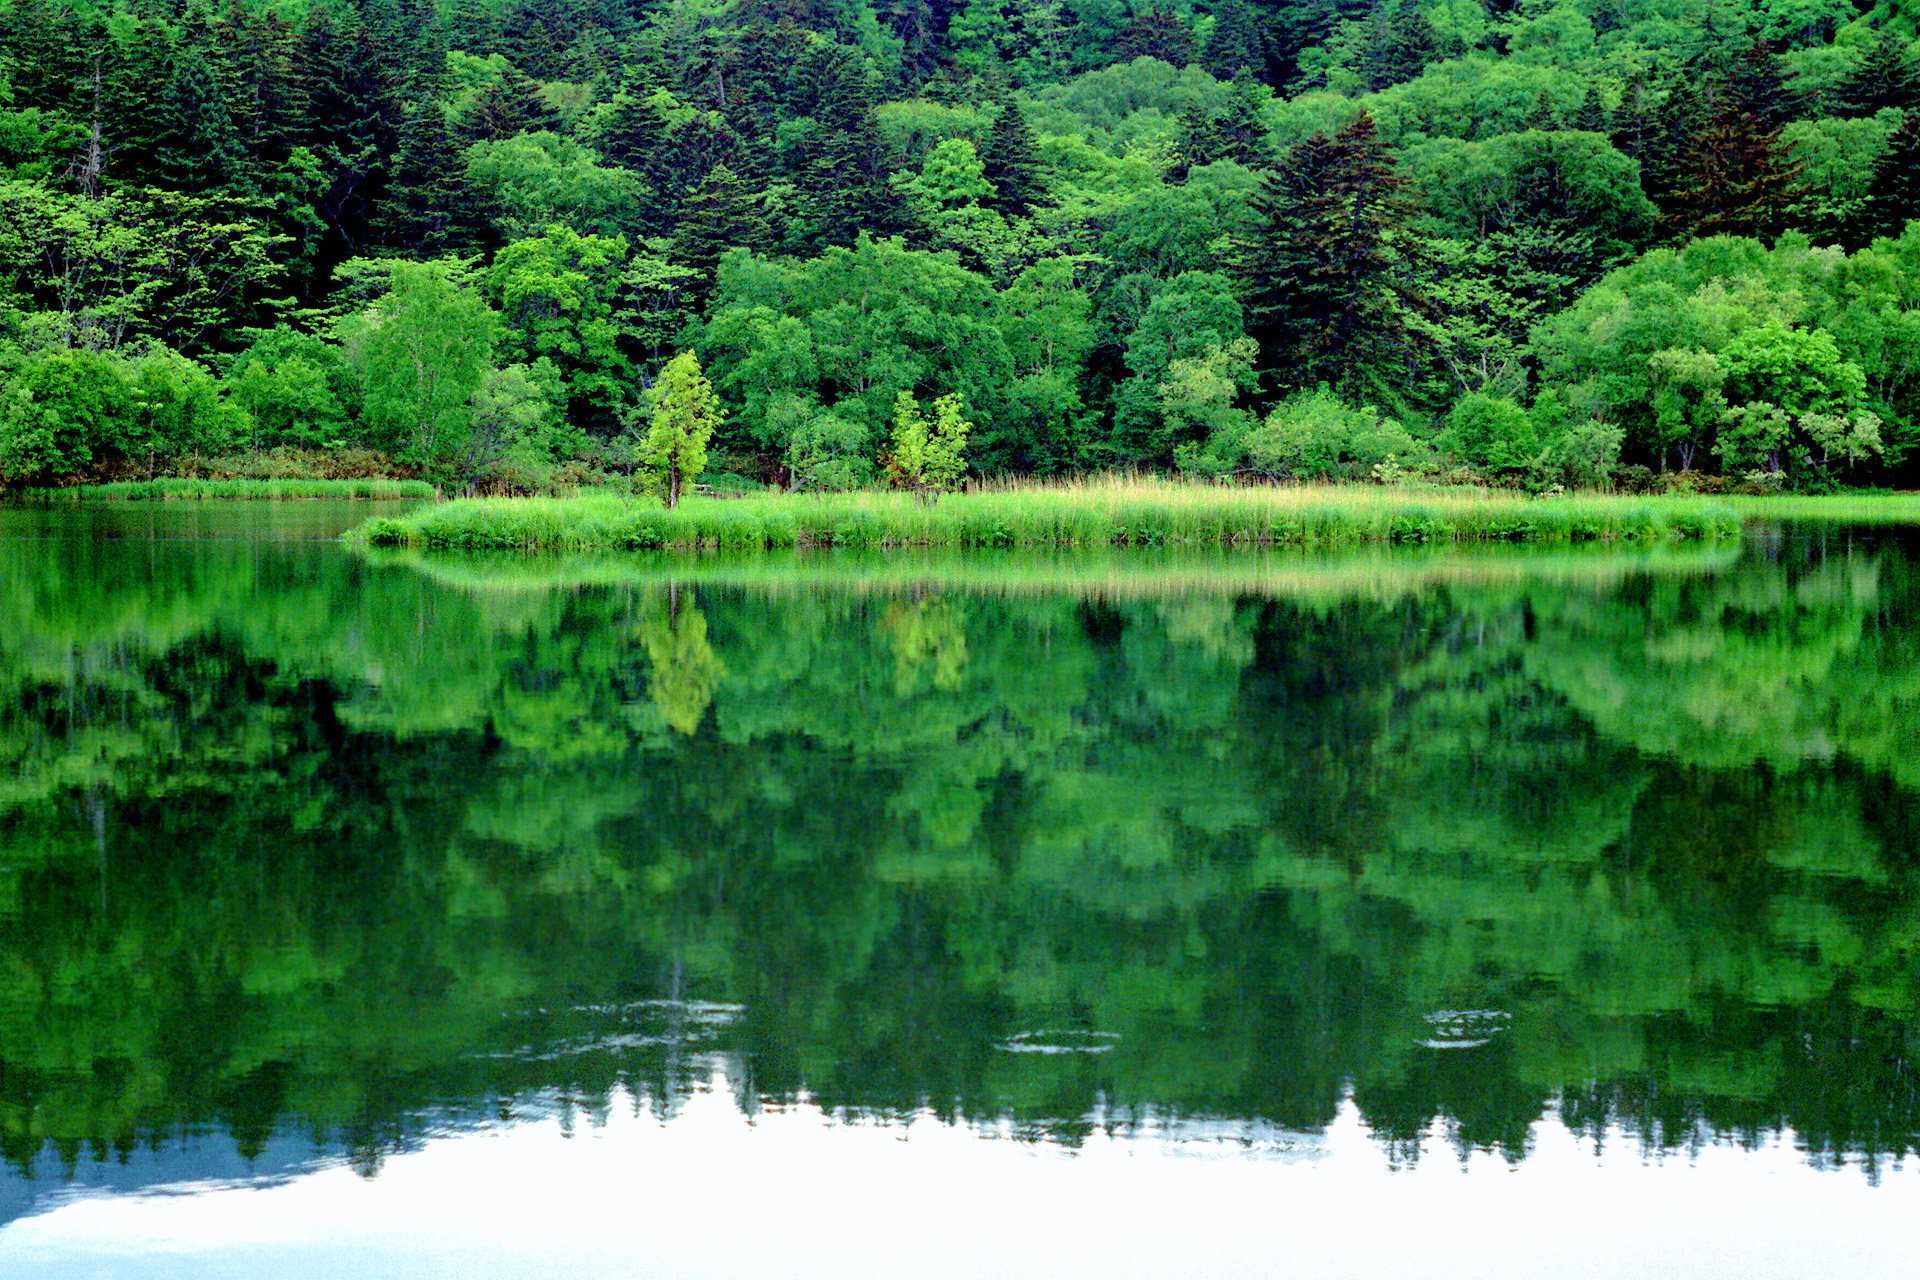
(1115, 513)
(195, 489)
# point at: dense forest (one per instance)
(1618, 242)
(302, 843)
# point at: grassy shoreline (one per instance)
(194, 489)
(1112, 513)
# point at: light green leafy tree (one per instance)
(928, 454)
(680, 415)
(421, 352)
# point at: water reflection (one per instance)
(1444, 849)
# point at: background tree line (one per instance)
(1575, 242)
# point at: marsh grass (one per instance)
(197, 489)
(1112, 512)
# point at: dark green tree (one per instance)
(1894, 198)
(719, 215)
(430, 208)
(1738, 177)
(196, 147)
(1237, 43)
(509, 105)
(1884, 74)
(1326, 274)
(1157, 33)
(1591, 117)
(1011, 159)
(1395, 45)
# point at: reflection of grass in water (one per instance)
(1091, 514)
(1093, 574)
(194, 489)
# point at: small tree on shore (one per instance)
(927, 454)
(681, 415)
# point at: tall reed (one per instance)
(1078, 514)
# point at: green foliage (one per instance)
(420, 352)
(928, 456)
(681, 415)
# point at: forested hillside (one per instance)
(1580, 242)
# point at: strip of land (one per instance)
(1112, 513)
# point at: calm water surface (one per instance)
(1389, 914)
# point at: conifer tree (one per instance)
(1634, 124)
(1157, 33)
(719, 215)
(1011, 160)
(1395, 46)
(845, 189)
(1325, 273)
(1243, 126)
(1591, 117)
(508, 106)
(1238, 42)
(196, 147)
(1893, 200)
(1737, 178)
(431, 208)
(1759, 86)
(675, 424)
(1885, 74)
(1543, 117)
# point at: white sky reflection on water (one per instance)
(794, 1193)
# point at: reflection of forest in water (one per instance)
(290, 842)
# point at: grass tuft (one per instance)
(1113, 512)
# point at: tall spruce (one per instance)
(430, 208)
(1011, 161)
(1893, 199)
(1326, 274)
(720, 214)
(1157, 33)
(1238, 42)
(1884, 74)
(1738, 177)
(196, 147)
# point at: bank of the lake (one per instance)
(1115, 513)
(198, 489)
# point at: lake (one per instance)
(1423, 913)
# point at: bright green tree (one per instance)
(927, 455)
(681, 415)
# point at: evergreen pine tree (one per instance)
(1395, 45)
(1758, 86)
(1737, 178)
(719, 215)
(430, 208)
(1237, 42)
(196, 146)
(1885, 74)
(508, 106)
(1242, 125)
(1667, 156)
(1198, 140)
(1011, 159)
(1158, 33)
(251, 55)
(1591, 117)
(1542, 117)
(1634, 124)
(845, 189)
(1893, 199)
(1325, 272)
